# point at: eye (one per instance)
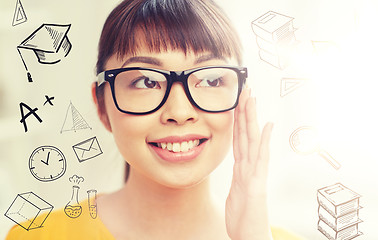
(210, 82)
(145, 82)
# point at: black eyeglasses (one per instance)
(140, 91)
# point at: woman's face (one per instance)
(195, 141)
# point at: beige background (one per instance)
(340, 99)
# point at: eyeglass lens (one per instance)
(213, 89)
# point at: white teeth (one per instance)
(176, 147)
(169, 146)
(184, 146)
(179, 147)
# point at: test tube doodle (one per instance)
(92, 203)
(304, 141)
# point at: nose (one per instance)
(178, 109)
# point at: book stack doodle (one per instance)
(275, 38)
(338, 212)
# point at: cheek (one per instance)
(129, 131)
(221, 125)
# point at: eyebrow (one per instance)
(208, 57)
(157, 62)
(140, 59)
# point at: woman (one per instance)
(169, 79)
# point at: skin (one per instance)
(164, 200)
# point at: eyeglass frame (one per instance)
(171, 77)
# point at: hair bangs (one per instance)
(161, 25)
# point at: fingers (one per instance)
(249, 144)
(263, 157)
(240, 128)
(236, 137)
(253, 131)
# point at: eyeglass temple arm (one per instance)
(244, 73)
(100, 78)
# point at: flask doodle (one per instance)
(73, 208)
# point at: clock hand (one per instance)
(47, 160)
(48, 155)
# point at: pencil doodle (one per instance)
(48, 100)
(19, 15)
(47, 163)
(73, 120)
(87, 149)
(275, 38)
(288, 85)
(49, 43)
(73, 208)
(31, 112)
(304, 140)
(26, 208)
(338, 212)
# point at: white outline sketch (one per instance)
(338, 212)
(288, 85)
(275, 37)
(304, 141)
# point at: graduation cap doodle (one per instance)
(49, 43)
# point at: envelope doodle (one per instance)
(87, 149)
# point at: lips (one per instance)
(179, 149)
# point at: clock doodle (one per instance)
(47, 163)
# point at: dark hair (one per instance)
(187, 25)
(197, 25)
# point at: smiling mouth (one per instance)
(177, 147)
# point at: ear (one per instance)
(101, 109)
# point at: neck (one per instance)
(166, 211)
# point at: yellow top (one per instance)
(58, 226)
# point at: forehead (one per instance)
(170, 59)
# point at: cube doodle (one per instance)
(26, 208)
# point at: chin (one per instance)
(182, 181)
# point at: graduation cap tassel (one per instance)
(28, 73)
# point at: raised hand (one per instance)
(246, 207)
